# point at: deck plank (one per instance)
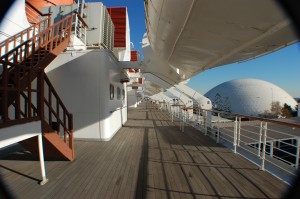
(148, 158)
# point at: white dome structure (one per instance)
(248, 96)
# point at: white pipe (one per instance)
(271, 148)
(297, 153)
(265, 128)
(239, 131)
(42, 162)
(235, 134)
(218, 135)
(259, 141)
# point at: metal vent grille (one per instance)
(107, 31)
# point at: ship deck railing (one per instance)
(149, 157)
(271, 144)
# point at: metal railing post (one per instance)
(205, 123)
(239, 131)
(259, 140)
(218, 127)
(183, 119)
(297, 153)
(178, 115)
(84, 35)
(271, 148)
(235, 134)
(198, 119)
(263, 156)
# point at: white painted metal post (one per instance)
(259, 140)
(263, 156)
(187, 118)
(179, 115)
(205, 123)
(218, 133)
(235, 134)
(84, 35)
(239, 131)
(76, 24)
(42, 163)
(183, 119)
(271, 148)
(198, 119)
(297, 153)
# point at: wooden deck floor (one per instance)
(148, 158)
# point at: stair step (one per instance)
(54, 147)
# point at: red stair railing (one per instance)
(25, 35)
(23, 81)
(54, 114)
(20, 65)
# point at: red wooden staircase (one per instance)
(27, 95)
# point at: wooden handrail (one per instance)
(247, 116)
(24, 64)
(47, 36)
(81, 19)
(55, 93)
(35, 9)
(46, 99)
(13, 85)
(6, 43)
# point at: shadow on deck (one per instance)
(148, 158)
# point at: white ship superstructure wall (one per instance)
(89, 85)
(88, 80)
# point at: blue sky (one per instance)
(281, 68)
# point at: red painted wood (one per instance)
(131, 70)
(140, 80)
(16, 80)
(118, 16)
(134, 55)
(33, 15)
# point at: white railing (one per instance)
(80, 27)
(271, 142)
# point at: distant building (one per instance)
(249, 97)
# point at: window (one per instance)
(118, 93)
(112, 91)
(123, 93)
